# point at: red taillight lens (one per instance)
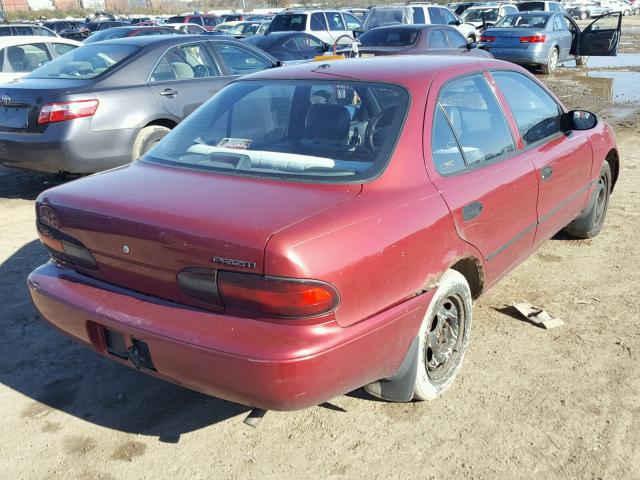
(487, 38)
(62, 111)
(277, 296)
(533, 39)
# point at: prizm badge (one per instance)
(233, 262)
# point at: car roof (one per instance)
(24, 39)
(401, 69)
(162, 40)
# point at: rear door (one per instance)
(239, 60)
(563, 37)
(184, 78)
(602, 36)
(308, 46)
(489, 187)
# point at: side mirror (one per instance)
(357, 33)
(472, 45)
(581, 120)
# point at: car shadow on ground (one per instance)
(27, 185)
(58, 374)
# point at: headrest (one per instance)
(327, 122)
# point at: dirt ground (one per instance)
(562, 403)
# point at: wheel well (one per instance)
(163, 122)
(471, 269)
(614, 163)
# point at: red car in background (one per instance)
(323, 227)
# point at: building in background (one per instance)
(94, 5)
(40, 5)
(15, 5)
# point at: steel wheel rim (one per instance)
(553, 61)
(601, 201)
(445, 338)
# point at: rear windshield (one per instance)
(326, 131)
(383, 16)
(176, 20)
(473, 15)
(396, 37)
(522, 21)
(289, 23)
(86, 62)
(531, 6)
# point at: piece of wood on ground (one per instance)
(537, 315)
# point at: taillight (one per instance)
(533, 39)
(63, 111)
(487, 38)
(60, 245)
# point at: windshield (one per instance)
(86, 62)
(244, 29)
(396, 37)
(289, 23)
(328, 131)
(473, 15)
(178, 19)
(522, 21)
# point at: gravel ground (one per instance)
(560, 403)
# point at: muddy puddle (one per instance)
(623, 60)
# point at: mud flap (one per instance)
(399, 387)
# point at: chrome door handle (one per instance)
(168, 92)
(546, 173)
(471, 211)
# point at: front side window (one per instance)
(449, 18)
(418, 14)
(537, 114)
(25, 58)
(185, 62)
(437, 40)
(240, 61)
(313, 130)
(305, 42)
(455, 38)
(475, 120)
(45, 32)
(436, 17)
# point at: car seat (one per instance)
(183, 70)
(326, 126)
(15, 55)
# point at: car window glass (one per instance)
(558, 23)
(537, 114)
(437, 39)
(436, 17)
(305, 42)
(476, 119)
(445, 150)
(455, 38)
(607, 22)
(62, 48)
(352, 21)
(240, 61)
(209, 21)
(44, 32)
(335, 21)
(318, 22)
(5, 31)
(418, 14)
(196, 20)
(290, 44)
(24, 30)
(25, 58)
(449, 18)
(186, 62)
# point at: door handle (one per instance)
(546, 173)
(471, 211)
(168, 92)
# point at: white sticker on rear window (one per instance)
(237, 143)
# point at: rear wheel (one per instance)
(581, 61)
(626, 13)
(590, 223)
(147, 138)
(552, 62)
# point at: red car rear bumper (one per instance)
(260, 363)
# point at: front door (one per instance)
(602, 36)
(489, 187)
(185, 78)
(562, 159)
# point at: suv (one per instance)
(327, 25)
(540, 7)
(427, 13)
(25, 29)
(208, 22)
(68, 29)
(487, 15)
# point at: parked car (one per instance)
(139, 20)
(99, 26)
(226, 26)
(68, 29)
(359, 13)
(459, 7)
(190, 28)
(131, 31)
(417, 39)
(617, 6)
(536, 6)
(75, 114)
(290, 46)
(247, 29)
(200, 263)
(327, 25)
(584, 11)
(17, 29)
(22, 55)
(548, 38)
(430, 14)
(208, 22)
(486, 16)
(232, 17)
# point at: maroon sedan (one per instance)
(314, 229)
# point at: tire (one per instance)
(452, 298)
(625, 13)
(581, 61)
(471, 39)
(590, 223)
(552, 62)
(147, 138)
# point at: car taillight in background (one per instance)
(533, 39)
(267, 295)
(63, 111)
(60, 245)
(487, 38)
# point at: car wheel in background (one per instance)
(590, 223)
(584, 16)
(146, 139)
(444, 336)
(581, 61)
(626, 13)
(552, 61)
(471, 39)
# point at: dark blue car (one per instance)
(290, 46)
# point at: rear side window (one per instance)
(24, 30)
(289, 23)
(45, 32)
(537, 114)
(5, 32)
(318, 22)
(449, 18)
(476, 121)
(418, 14)
(522, 21)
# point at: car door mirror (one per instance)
(357, 33)
(472, 45)
(581, 120)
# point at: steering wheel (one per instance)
(378, 127)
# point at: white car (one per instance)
(615, 6)
(327, 25)
(189, 28)
(22, 55)
(486, 14)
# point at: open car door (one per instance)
(602, 36)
